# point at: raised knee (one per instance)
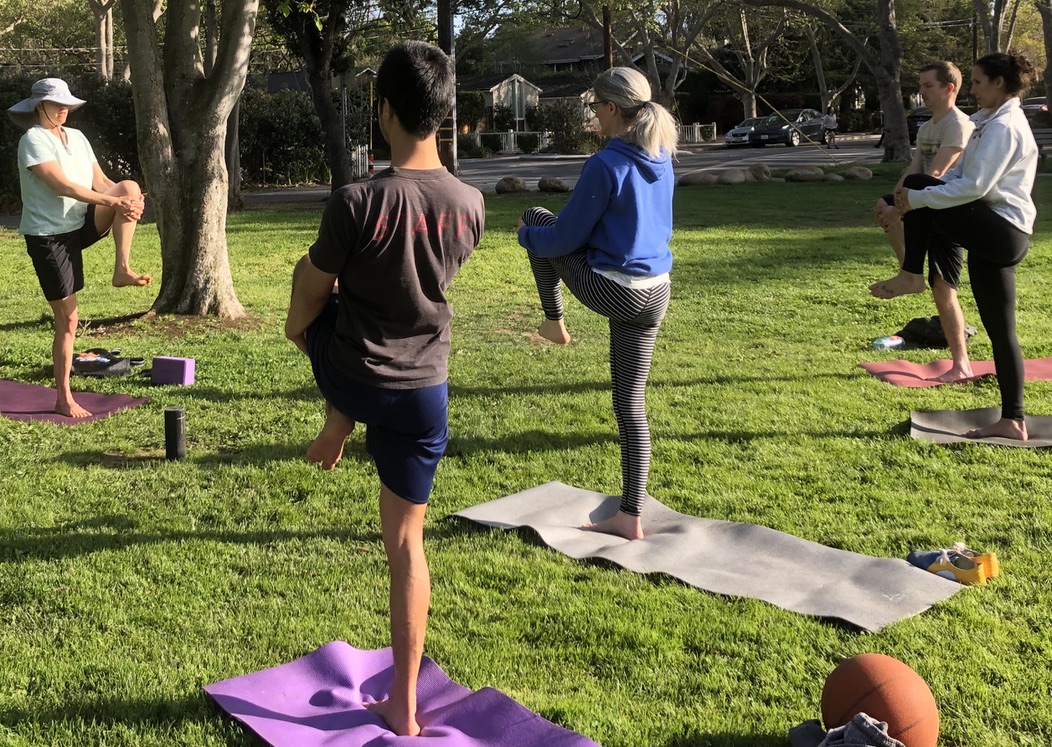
(129, 187)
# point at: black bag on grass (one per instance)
(926, 332)
(100, 362)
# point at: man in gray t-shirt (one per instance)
(379, 351)
(940, 142)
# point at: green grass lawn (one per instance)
(127, 583)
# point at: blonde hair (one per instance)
(651, 126)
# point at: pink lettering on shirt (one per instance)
(462, 224)
(381, 228)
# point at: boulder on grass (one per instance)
(697, 178)
(805, 174)
(761, 171)
(731, 176)
(510, 185)
(833, 178)
(858, 173)
(552, 184)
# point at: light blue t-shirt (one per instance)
(45, 213)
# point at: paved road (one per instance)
(484, 173)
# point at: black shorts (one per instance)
(57, 260)
(945, 261)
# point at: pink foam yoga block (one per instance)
(168, 370)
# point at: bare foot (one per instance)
(554, 330)
(888, 216)
(71, 409)
(620, 524)
(902, 284)
(1003, 428)
(327, 449)
(956, 374)
(403, 724)
(125, 278)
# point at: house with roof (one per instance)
(499, 89)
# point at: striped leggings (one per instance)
(635, 315)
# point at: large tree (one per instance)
(1044, 7)
(997, 19)
(663, 33)
(103, 12)
(885, 66)
(748, 44)
(318, 35)
(181, 114)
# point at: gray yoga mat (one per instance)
(949, 427)
(725, 557)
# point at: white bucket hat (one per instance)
(24, 112)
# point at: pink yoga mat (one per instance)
(20, 401)
(317, 701)
(904, 373)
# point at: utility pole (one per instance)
(447, 132)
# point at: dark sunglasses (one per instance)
(593, 105)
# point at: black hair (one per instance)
(1013, 66)
(417, 80)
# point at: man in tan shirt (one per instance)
(940, 142)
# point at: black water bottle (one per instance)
(174, 433)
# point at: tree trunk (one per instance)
(181, 117)
(320, 81)
(235, 200)
(748, 103)
(196, 277)
(103, 12)
(1044, 7)
(885, 69)
(896, 131)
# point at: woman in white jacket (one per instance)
(983, 205)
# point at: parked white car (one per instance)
(739, 135)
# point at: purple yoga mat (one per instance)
(317, 701)
(904, 373)
(33, 402)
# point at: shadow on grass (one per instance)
(698, 739)
(44, 321)
(112, 321)
(118, 532)
(581, 387)
(132, 713)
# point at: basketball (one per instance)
(886, 689)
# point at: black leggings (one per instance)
(994, 248)
(635, 314)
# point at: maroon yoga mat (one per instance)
(318, 700)
(20, 401)
(904, 373)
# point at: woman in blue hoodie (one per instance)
(610, 245)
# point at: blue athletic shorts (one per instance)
(406, 430)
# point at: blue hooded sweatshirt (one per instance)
(620, 212)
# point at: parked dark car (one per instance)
(776, 128)
(1034, 106)
(915, 119)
